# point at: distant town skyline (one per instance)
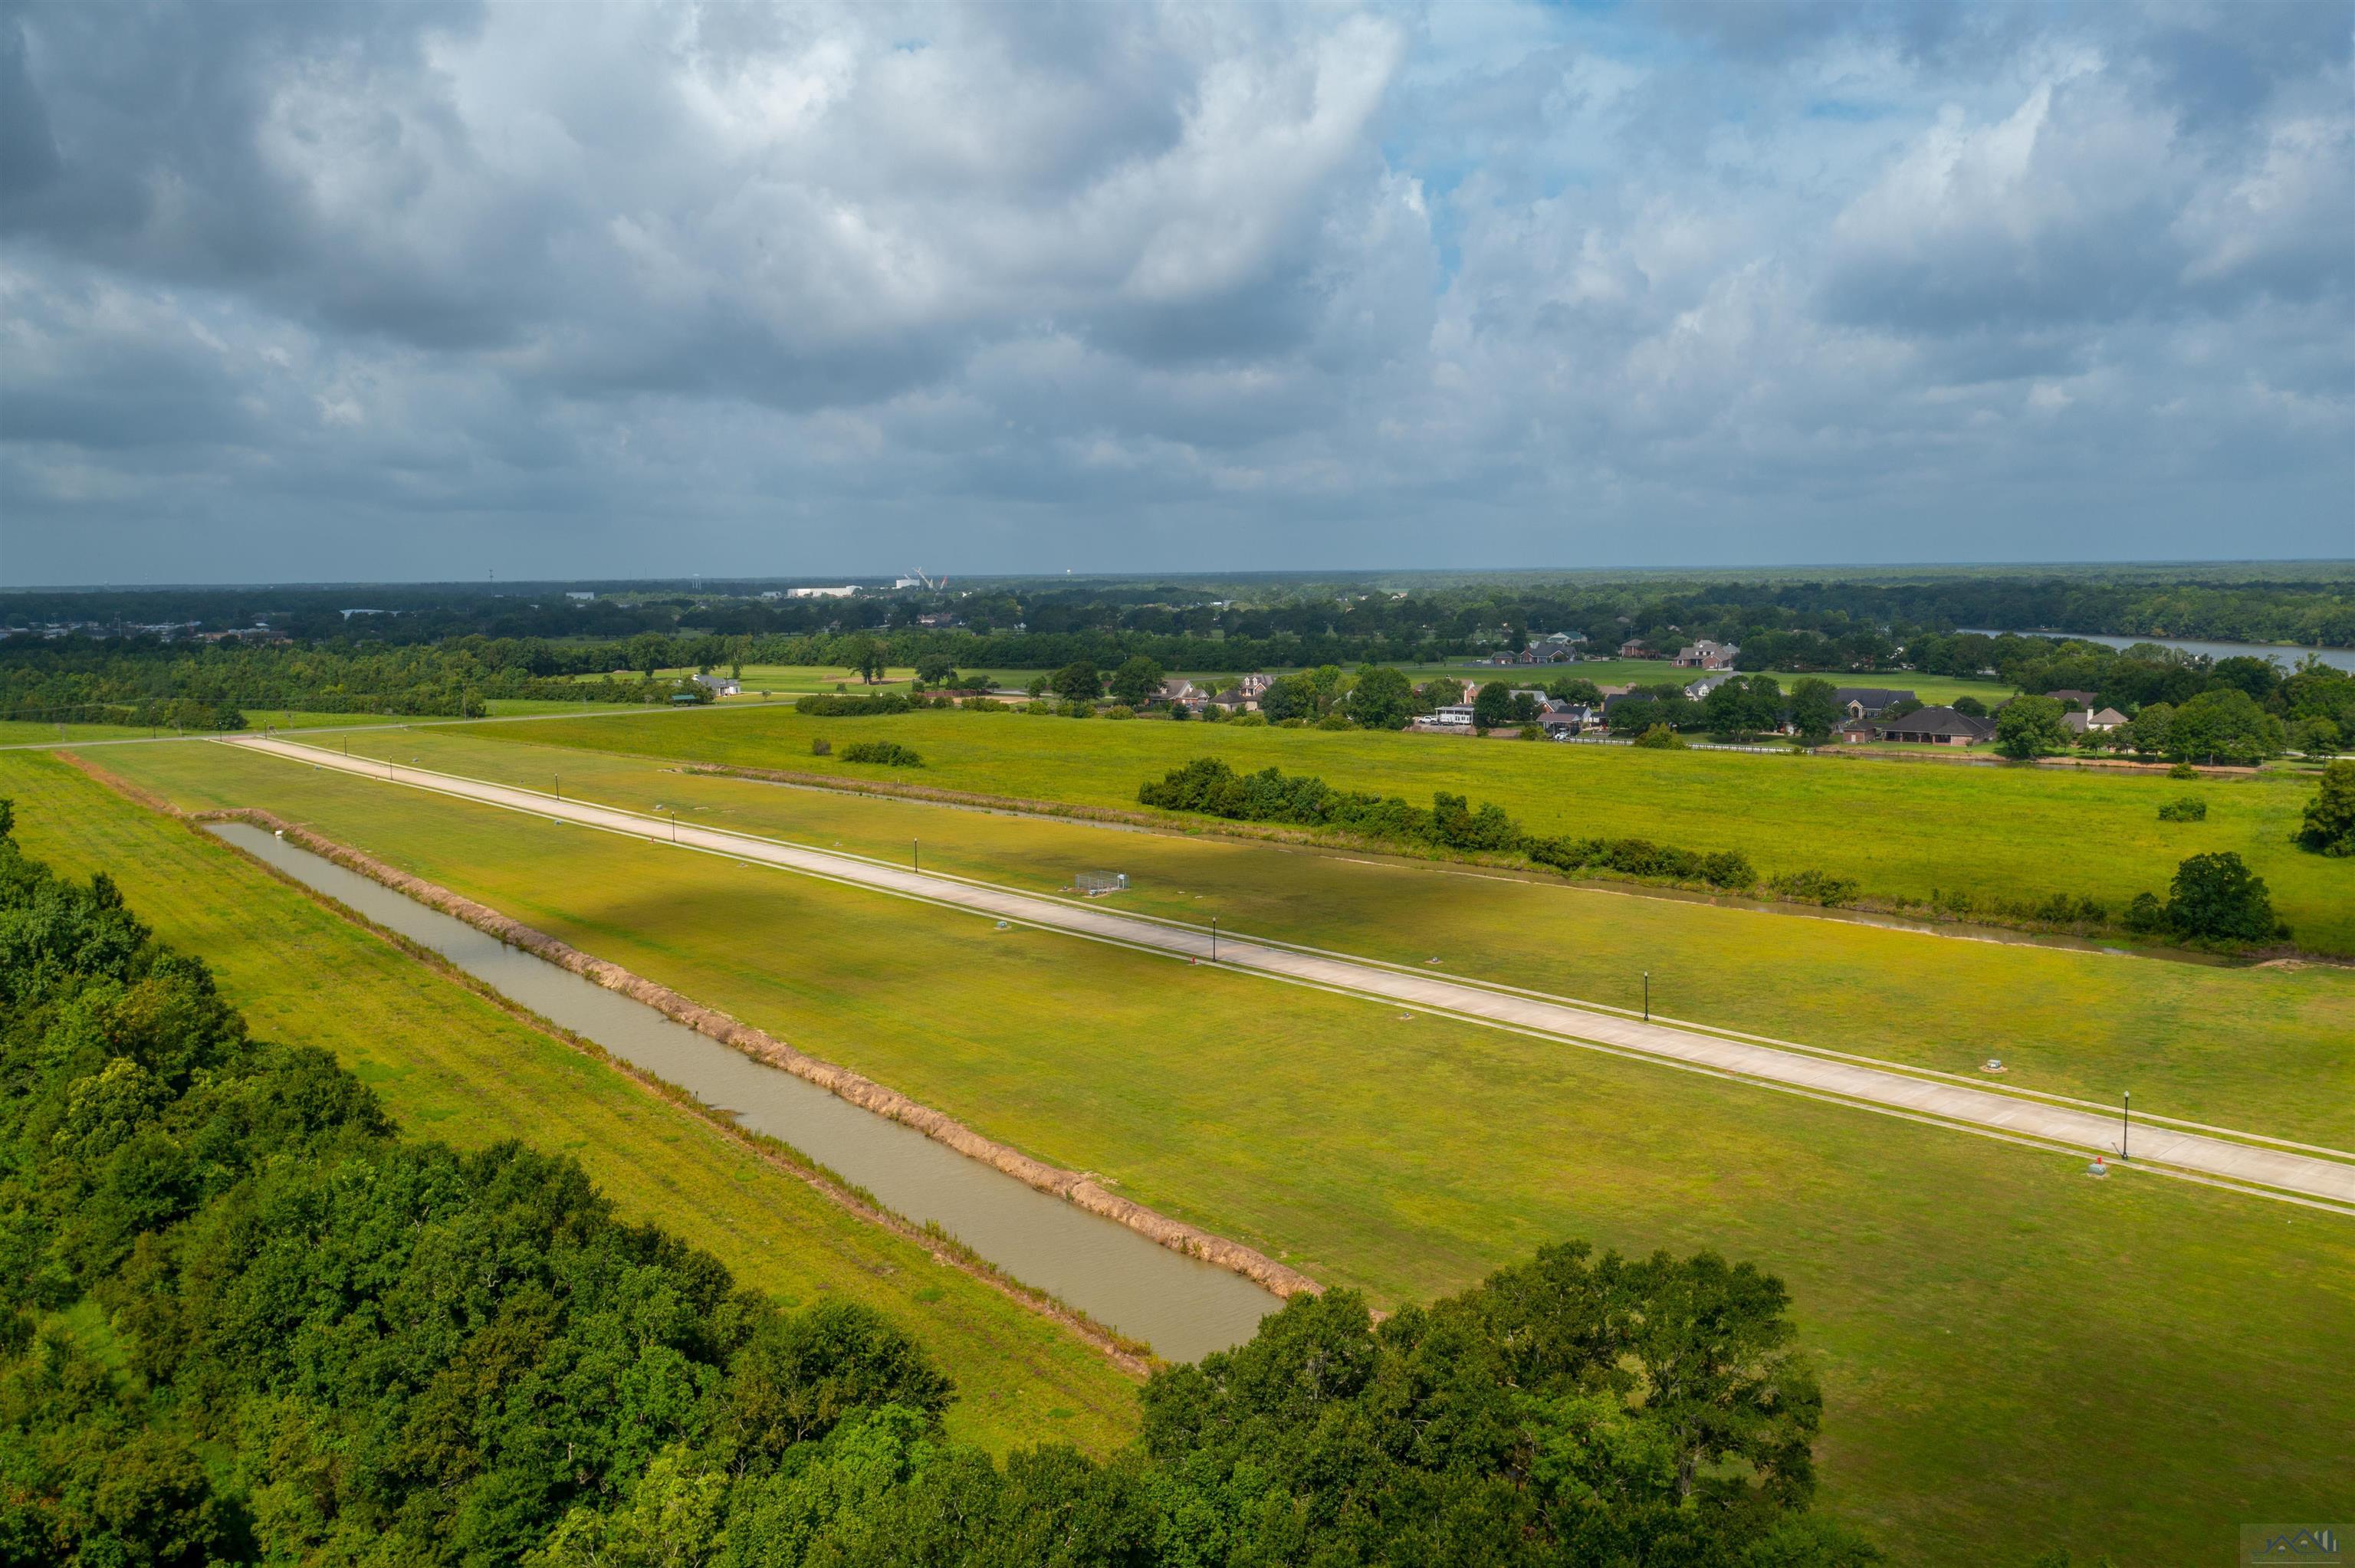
(598, 292)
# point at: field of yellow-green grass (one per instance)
(1898, 828)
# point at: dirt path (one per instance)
(2306, 1177)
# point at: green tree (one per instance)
(1575, 689)
(2224, 725)
(864, 656)
(935, 668)
(1078, 681)
(1137, 681)
(2148, 731)
(2217, 895)
(1814, 709)
(1288, 697)
(2030, 727)
(1493, 708)
(1382, 698)
(1661, 738)
(1971, 706)
(648, 652)
(2329, 826)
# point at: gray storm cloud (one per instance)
(406, 290)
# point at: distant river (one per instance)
(2287, 657)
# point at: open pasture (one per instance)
(449, 1065)
(2268, 1049)
(1898, 828)
(2015, 1357)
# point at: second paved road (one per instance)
(2308, 1176)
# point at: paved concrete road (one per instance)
(2308, 1176)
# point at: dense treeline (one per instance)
(241, 1320)
(445, 651)
(206, 685)
(1452, 612)
(1208, 785)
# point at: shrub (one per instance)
(1530, 732)
(2146, 914)
(1119, 711)
(821, 747)
(2329, 827)
(825, 705)
(2217, 896)
(1249, 721)
(1814, 888)
(2183, 770)
(1335, 720)
(890, 753)
(1660, 737)
(2189, 809)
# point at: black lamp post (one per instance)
(1214, 939)
(2126, 1114)
(1647, 996)
(916, 854)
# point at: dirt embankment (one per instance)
(1073, 1186)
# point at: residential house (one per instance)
(1634, 648)
(720, 685)
(1180, 693)
(1706, 684)
(1555, 647)
(1936, 726)
(2083, 701)
(1706, 655)
(1253, 684)
(2102, 719)
(1450, 715)
(1562, 720)
(1868, 702)
(938, 621)
(1855, 730)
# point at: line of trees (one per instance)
(243, 1320)
(1208, 786)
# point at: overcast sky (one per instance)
(297, 291)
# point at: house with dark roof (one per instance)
(1936, 726)
(2081, 700)
(1867, 702)
(1634, 648)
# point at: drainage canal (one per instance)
(1182, 1306)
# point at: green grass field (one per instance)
(2015, 1357)
(20, 732)
(782, 680)
(449, 1065)
(1898, 828)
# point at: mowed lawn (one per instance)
(2016, 1357)
(1898, 828)
(452, 1066)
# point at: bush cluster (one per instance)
(2189, 809)
(840, 704)
(890, 753)
(1208, 786)
(2213, 898)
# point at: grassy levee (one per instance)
(1899, 828)
(2267, 1050)
(450, 1064)
(2015, 1357)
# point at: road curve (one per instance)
(2303, 1176)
